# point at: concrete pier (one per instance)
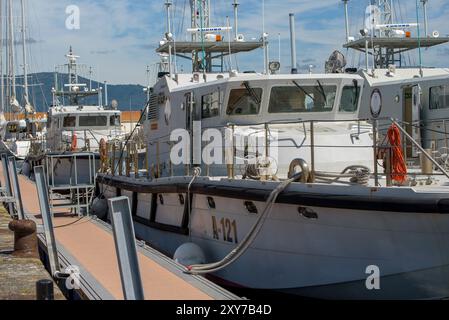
(18, 274)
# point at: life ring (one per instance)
(74, 144)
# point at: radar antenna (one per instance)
(387, 39)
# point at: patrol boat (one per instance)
(78, 124)
(276, 182)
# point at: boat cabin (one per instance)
(418, 102)
(88, 123)
(253, 105)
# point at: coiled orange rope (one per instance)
(398, 165)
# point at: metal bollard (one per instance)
(25, 238)
(45, 290)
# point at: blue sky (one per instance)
(118, 37)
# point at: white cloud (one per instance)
(116, 37)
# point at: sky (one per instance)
(118, 38)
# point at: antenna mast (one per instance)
(169, 37)
(294, 69)
(386, 8)
(346, 19)
(73, 74)
(426, 22)
(90, 78)
(236, 22)
(200, 20)
(207, 48)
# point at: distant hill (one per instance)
(129, 96)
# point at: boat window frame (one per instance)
(260, 97)
(306, 85)
(215, 99)
(114, 124)
(444, 96)
(96, 116)
(358, 98)
(64, 126)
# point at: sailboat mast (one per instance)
(2, 80)
(12, 53)
(25, 72)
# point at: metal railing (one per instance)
(307, 129)
(75, 180)
(10, 194)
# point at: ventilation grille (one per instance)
(153, 107)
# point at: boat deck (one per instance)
(89, 244)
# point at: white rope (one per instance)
(196, 174)
(235, 254)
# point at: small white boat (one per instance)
(78, 128)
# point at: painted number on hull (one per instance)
(225, 230)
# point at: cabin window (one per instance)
(93, 121)
(69, 122)
(299, 99)
(115, 120)
(210, 105)
(244, 101)
(439, 97)
(350, 99)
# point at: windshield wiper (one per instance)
(323, 93)
(356, 93)
(252, 92)
(304, 91)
